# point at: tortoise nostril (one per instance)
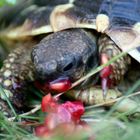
(68, 67)
(51, 67)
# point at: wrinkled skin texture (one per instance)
(69, 53)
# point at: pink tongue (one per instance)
(60, 85)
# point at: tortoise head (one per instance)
(66, 54)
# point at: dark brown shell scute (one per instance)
(14, 11)
(121, 13)
(23, 15)
(34, 15)
(88, 5)
(50, 2)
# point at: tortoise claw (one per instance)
(105, 75)
(104, 87)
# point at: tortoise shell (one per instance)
(118, 19)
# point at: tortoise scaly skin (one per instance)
(14, 78)
(69, 52)
(114, 73)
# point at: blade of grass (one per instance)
(134, 87)
(8, 102)
(30, 117)
(38, 107)
(4, 126)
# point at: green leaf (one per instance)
(5, 2)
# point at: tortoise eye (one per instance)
(68, 67)
(90, 62)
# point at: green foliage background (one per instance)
(4, 2)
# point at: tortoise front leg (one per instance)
(17, 72)
(111, 75)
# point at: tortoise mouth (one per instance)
(61, 84)
(58, 85)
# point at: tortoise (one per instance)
(64, 39)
